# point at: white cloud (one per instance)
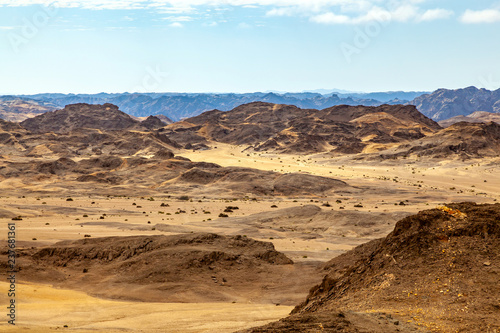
(172, 10)
(294, 8)
(481, 16)
(313, 5)
(374, 15)
(244, 25)
(283, 11)
(176, 25)
(179, 18)
(318, 11)
(403, 13)
(436, 14)
(331, 18)
(171, 3)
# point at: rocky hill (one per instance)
(153, 122)
(203, 267)
(443, 103)
(438, 270)
(10, 126)
(462, 140)
(383, 132)
(17, 109)
(162, 173)
(110, 161)
(284, 128)
(166, 120)
(476, 117)
(83, 146)
(17, 141)
(76, 116)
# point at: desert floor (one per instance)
(46, 220)
(46, 309)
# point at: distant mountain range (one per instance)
(177, 106)
(439, 105)
(374, 133)
(387, 97)
(443, 104)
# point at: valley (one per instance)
(196, 225)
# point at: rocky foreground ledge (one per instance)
(437, 271)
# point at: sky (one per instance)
(116, 46)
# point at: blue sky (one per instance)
(91, 46)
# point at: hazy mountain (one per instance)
(387, 96)
(439, 105)
(177, 106)
(331, 91)
(443, 104)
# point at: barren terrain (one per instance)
(127, 230)
(309, 230)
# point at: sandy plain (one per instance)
(392, 188)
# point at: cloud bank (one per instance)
(481, 16)
(328, 12)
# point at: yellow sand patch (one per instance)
(377, 147)
(179, 124)
(41, 150)
(369, 137)
(289, 131)
(381, 117)
(42, 308)
(452, 212)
